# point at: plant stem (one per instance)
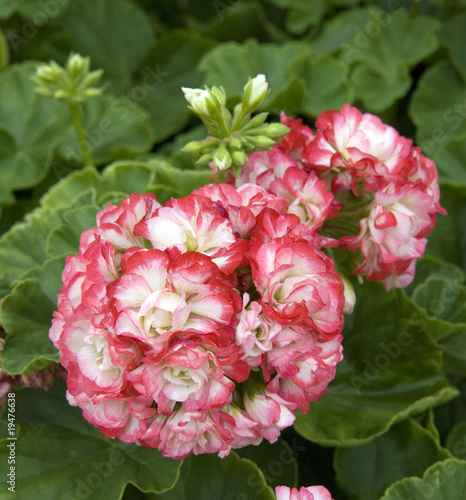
(79, 127)
(221, 176)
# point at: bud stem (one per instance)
(79, 127)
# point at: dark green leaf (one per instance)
(391, 370)
(172, 64)
(456, 441)
(31, 127)
(442, 481)
(407, 449)
(301, 14)
(114, 128)
(452, 36)
(116, 34)
(59, 455)
(454, 346)
(276, 462)
(230, 478)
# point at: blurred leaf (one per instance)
(442, 481)
(31, 126)
(60, 455)
(391, 369)
(448, 240)
(116, 34)
(172, 64)
(452, 36)
(114, 128)
(301, 14)
(454, 346)
(276, 462)
(228, 478)
(326, 85)
(236, 22)
(232, 64)
(450, 158)
(41, 12)
(4, 52)
(407, 449)
(7, 8)
(456, 441)
(438, 108)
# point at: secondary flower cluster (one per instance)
(365, 186)
(201, 325)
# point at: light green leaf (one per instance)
(114, 128)
(59, 455)
(232, 64)
(438, 108)
(407, 449)
(31, 126)
(391, 370)
(116, 34)
(442, 481)
(7, 8)
(64, 240)
(26, 316)
(230, 478)
(172, 64)
(23, 247)
(276, 462)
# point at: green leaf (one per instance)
(236, 22)
(116, 34)
(64, 239)
(448, 240)
(377, 384)
(26, 316)
(301, 14)
(59, 455)
(230, 478)
(437, 108)
(4, 52)
(41, 12)
(407, 449)
(24, 246)
(454, 346)
(7, 8)
(389, 49)
(442, 481)
(172, 64)
(114, 128)
(456, 441)
(452, 37)
(31, 126)
(326, 85)
(276, 462)
(232, 64)
(450, 158)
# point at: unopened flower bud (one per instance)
(201, 101)
(194, 147)
(222, 158)
(239, 158)
(350, 296)
(261, 141)
(255, 92)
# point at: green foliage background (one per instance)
(392, 424)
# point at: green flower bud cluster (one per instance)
(233, 135)
(74, 83)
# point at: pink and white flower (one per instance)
(309, 493)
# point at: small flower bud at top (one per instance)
(255, 92)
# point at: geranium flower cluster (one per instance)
(365, 186)
(201, 325)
